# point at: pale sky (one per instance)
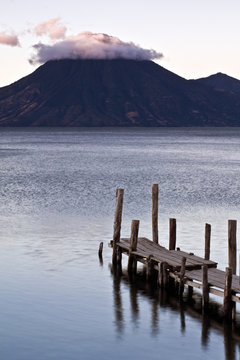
(197, 38)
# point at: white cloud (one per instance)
(88, 45)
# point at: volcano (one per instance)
(115, 92)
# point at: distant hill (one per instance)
(115, 93)
(222, 82)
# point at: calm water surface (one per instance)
(57, 199)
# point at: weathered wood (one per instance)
(207, 241)
(165, 275)
(232, 245)
(150, 268)
(181, 278)
(160, 274)
(172, 234)
(100, 250)
(190, 292)
(161, 254)
(199, 286)
(119, 256)
(155, 213)
(133, 246)
(205, 288)
(227, 304)
(117, 223)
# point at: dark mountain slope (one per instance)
(222, 82)
(113, 93)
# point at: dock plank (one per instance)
(146, 247)
(216, 278)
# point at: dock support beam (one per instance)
(207, 241)
(227, 305)
(132, 262)
(182, 274)
(155, 213)
(117, 223)
(150, 268)
(205, 288)
(232, 253)
(232, 245)
(163, 275)
(172, 234)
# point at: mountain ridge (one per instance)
(115, 92)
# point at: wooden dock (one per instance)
(175, 267)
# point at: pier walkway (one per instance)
(175, 267)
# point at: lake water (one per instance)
(57, 199)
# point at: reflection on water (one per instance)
(59, 301)
(160, 300)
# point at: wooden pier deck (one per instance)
(182, 267)
(193, 275)
(173, 258)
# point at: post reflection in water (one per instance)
(134, 301)
(161, 299)
(118, 299)
(205, 330)
(229, 343)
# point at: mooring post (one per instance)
(100, 250)
(132, 262)
(117, 223)
(227, 304)
(232, 245)
(205, 288)
(182, 274)
(232, 254)
(172, 234)
(155, 213)
(207, 241)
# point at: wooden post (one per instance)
(205, 288)
(182, 273)
(227, 305)
(100, 250)
(117, 223)
(232, 245)
(232, 253)
(150, 268)
(172, 234)
(162, 275)
(207, 241)
(155, 213)
(119, 256)
(133, 246)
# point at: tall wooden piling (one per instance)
(155, 213)
(232, 245)
(117, 223)
(205, 288)
(132, 263)
(182, 274)
(172, 234)
(207, 241)
(227, 304)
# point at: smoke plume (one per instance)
(9, 39)
(88, 45)
(53, 28)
